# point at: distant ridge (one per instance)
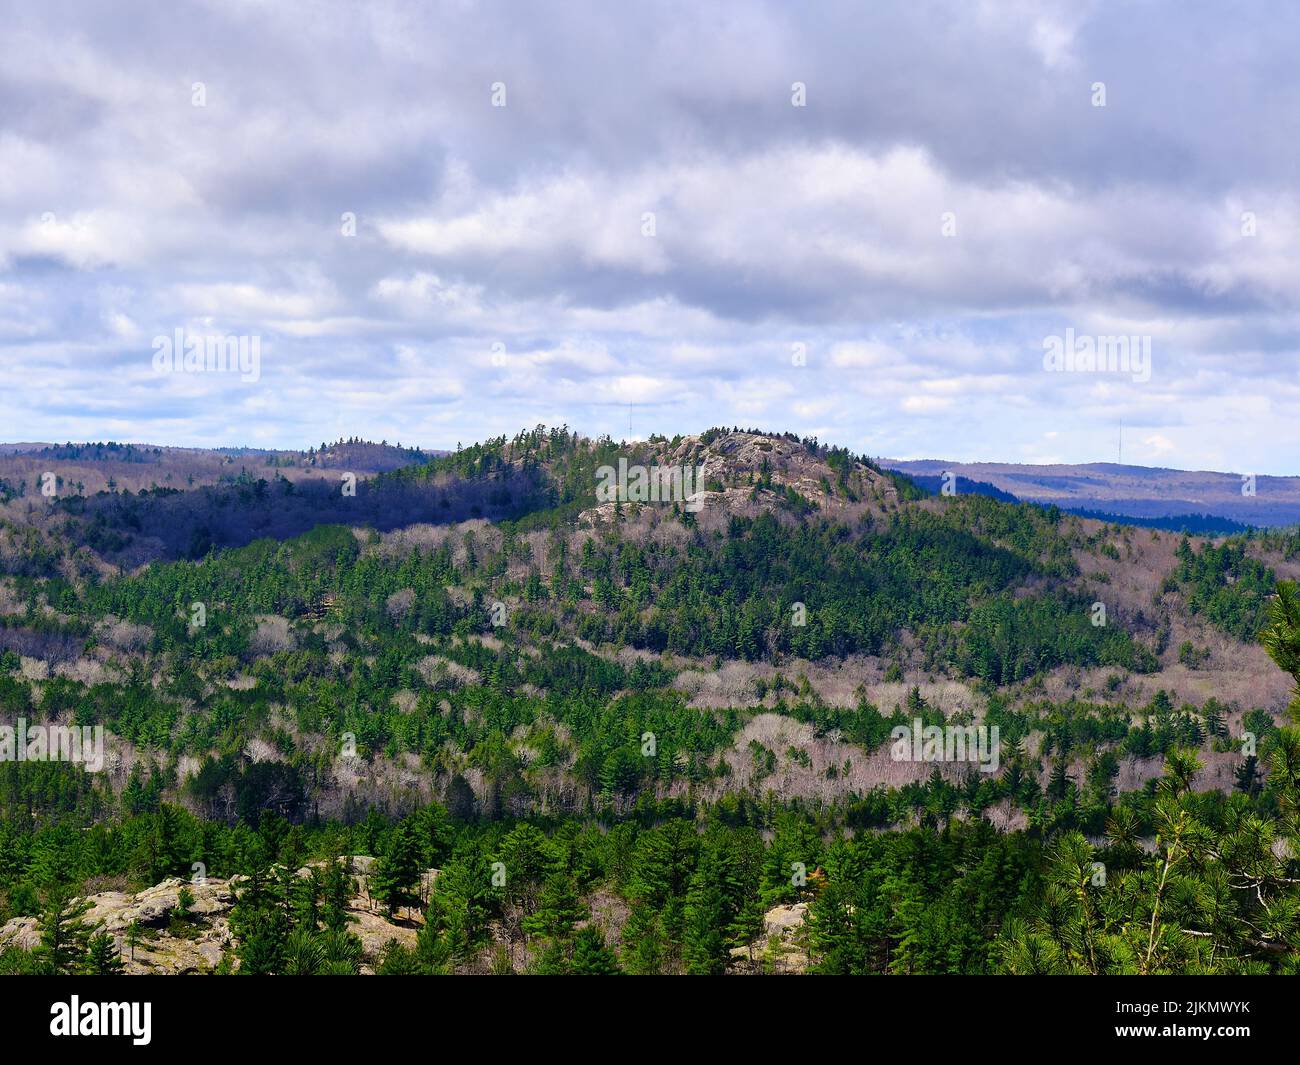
(1196, 501)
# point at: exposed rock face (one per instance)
(176, 946)
(20, 932)
(778, 949)
(162, 951)
(735, 459)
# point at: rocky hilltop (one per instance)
(745, 471)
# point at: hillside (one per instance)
(807, 584)
(487, 635)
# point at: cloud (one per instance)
(1159, 444)
(649, 222)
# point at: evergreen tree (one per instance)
(641, 952)
(260, 924)
(1247, 775)
(460, 907)
(591, 955)
(397, 873)
(102, 956)
(134, 936)
(706, 915)
(336, 887)
(558, 910)
(64, 938)
(304, 954)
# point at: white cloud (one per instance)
(131, 212)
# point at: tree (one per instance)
(524, 854)
(1216, 896)
(558, 909)
(304, 954)
(134, 936)
(336, 886)
(641, 952)
(397, 960)
(460, 907)
(1247, 775)
(1281, 636)
(102, 956)
(747, 923)
(260, 924)
(397, 872)
(591, 955)
(64, 938)
(165, 855)
(706, 915)
(661, 872)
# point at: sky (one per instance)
(870, 223)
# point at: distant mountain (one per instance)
(962, 486)
(87, 468)
(1153, 496)
(1193, 524)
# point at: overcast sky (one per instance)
(650, 231)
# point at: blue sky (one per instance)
(880, 267)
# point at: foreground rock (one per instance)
(780, 948)
(173, 945)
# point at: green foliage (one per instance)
(598, 787)
(1225, 585)
(65, 940)
(1010, 639)
(289, 924)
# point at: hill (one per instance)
(732, 626)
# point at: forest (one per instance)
(489, 731)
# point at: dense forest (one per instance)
(493, 697)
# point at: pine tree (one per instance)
(342, 952)
(524, 854)
(397, 960)
(661, 872)
(397, 873)
(102, 956)
(1247, 775)
(558, 909)
(552, 961)
(64, 939)
(460, 906)
(746, 924)
(591, 955)
(641, 952)
(260, 924)
(336, 885)
(706, 916)
(134, 936)
(165, 856)
(304, 954)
